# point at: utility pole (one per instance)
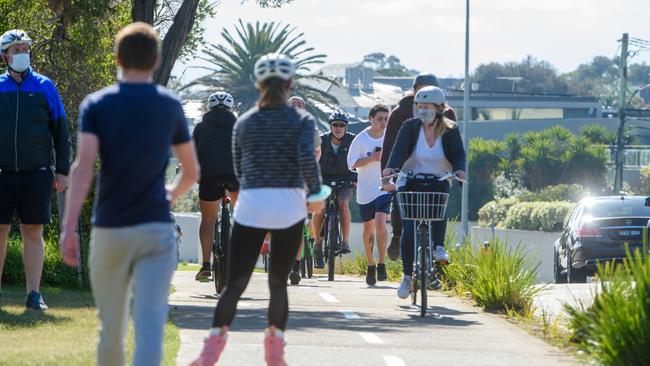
(620, 135)
(464, 206)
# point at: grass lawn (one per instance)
(66, 334)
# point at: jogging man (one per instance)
(333, 164)
(34, 155)
(132, 125)
(213, 140)
(374, 204)
(398, 116)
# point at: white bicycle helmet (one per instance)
(430, 94)
(274, 65)
(220, 97)
(12, 37)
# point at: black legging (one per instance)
(245, 245)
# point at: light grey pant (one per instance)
(143, 256)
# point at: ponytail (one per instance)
(273, 93)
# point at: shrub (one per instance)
(189, 202)
(560, 192)
(55, 272)
(536, 215)
(497, 209)
(500, 278)
(645, 180)
(615, 330)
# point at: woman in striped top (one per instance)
(273, 153)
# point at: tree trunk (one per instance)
(142, 11)
(175, 39)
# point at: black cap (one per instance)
(425, 79)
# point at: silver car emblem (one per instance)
(628, 222)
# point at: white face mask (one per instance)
(426, 115)
(120, 73)
(20, 62)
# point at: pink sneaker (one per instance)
(274, 347)
(212, 348)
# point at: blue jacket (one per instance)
(33, 128)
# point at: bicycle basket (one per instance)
(425, 206)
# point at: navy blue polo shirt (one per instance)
(136, 125)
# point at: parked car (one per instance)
(598, 230)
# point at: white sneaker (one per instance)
(404, 287)
(441, 255)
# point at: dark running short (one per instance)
(214, 187)
(27, 193)
(379, 204)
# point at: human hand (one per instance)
(70, 248)
(460, 174)
(60, 182)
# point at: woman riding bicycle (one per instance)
(429, 143)
(213, 140)
(273, 151)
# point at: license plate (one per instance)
(629, 233)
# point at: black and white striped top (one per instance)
(274, 148)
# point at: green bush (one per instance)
(495, 210)
(537, 216)
(615, 330)
(189, 202)
(500, 278)
(55, 272)
(559, 192)
(645, 180)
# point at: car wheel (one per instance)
(575, 275)
(558, 276)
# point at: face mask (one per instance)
(426, 115)
(20, 62)
(120, 73)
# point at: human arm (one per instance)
(60, 138)
(395, 121)
(306, 160)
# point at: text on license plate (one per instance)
(629, 232)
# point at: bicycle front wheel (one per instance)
(423, 275)
(333, 239)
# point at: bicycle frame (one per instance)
(332, 227)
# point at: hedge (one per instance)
(538, 216)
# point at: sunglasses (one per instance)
(339, 125)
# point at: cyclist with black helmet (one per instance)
(334, 166)
(213, 139)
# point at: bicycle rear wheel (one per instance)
(309, 258)
(222, 257)
(333, 241)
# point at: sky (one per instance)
(429, 35)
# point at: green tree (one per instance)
(181, 21)
(537, 77)
(232, 63)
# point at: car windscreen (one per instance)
(618, 208)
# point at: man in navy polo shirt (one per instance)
(132, 125)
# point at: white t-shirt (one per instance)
(426, 159)
(369, 184)
(270, 208)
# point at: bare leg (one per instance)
(33, 255)
(381, 230)
(4, 235)
(209, 211)
(368, 240)
(346, 218)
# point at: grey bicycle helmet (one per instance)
(12, 37)
(274, 65)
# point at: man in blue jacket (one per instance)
(34, 155)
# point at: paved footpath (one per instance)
(348, 323)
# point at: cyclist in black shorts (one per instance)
(213, 139)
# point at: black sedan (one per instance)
(598, 230)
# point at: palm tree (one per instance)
(232, 64)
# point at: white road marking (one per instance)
(350, 315)
(328, 297)
(371, 338)
(244, 304)
(393, 361)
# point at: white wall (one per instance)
(190, 245)
(539, 245)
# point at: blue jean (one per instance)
(437, 234)
(143, 257)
